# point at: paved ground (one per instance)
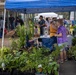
(68, 68)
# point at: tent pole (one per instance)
(3, 27)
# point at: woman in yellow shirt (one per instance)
(71, 29)
(53, 31)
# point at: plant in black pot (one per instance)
(74, 41)
(74, 52)
(70, 54)
(21, 32)
(3, 52)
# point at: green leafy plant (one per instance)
(14, 45)
(27, 61)
(73, 51)
(21, 32)
(56, 52)
(74, 41)
(53, 66)
(38, 56)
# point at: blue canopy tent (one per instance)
(38, 6)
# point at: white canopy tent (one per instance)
(52, 14)
(45, 15)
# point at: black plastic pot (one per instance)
(28, 73)
(70, 57)
(4, 72)
(16, 72)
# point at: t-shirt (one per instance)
(63, 38)
(11, 19)
(69, 40)
(47, 23)
(41, 23)
(21, 22)
(35, 30)
(53, 31)
(65, 22)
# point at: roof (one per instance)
(38, 6)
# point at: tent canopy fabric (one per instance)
(52, 14)
(39, 6)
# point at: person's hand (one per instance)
(56, 35)
(45, 25)
(39, 25)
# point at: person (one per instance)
(42, 25)
(53, 31)
(47, 22)
(69, 40)
(65, 22)
(21, 21)
(11, 20)
(71, 29)
(61, 39)
(16, 21)
(36, 31)
(1, 26)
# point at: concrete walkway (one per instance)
(68, 68)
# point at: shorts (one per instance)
(64, 45)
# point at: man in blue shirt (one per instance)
(42, 24)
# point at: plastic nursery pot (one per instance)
(16, 72)
(40, 70)
(4, 72)
(70, 58)
(28, 73)
(40, 74)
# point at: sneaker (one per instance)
(61, 62)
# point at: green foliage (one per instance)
(25, 61)
(73, 51)
(14, 45)
(3, 51)
(74, 41)
(55, 53)
(53, 67)
(21, 33)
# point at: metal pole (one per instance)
(3, 27)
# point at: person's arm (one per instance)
(54, 26)
(58, 35)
